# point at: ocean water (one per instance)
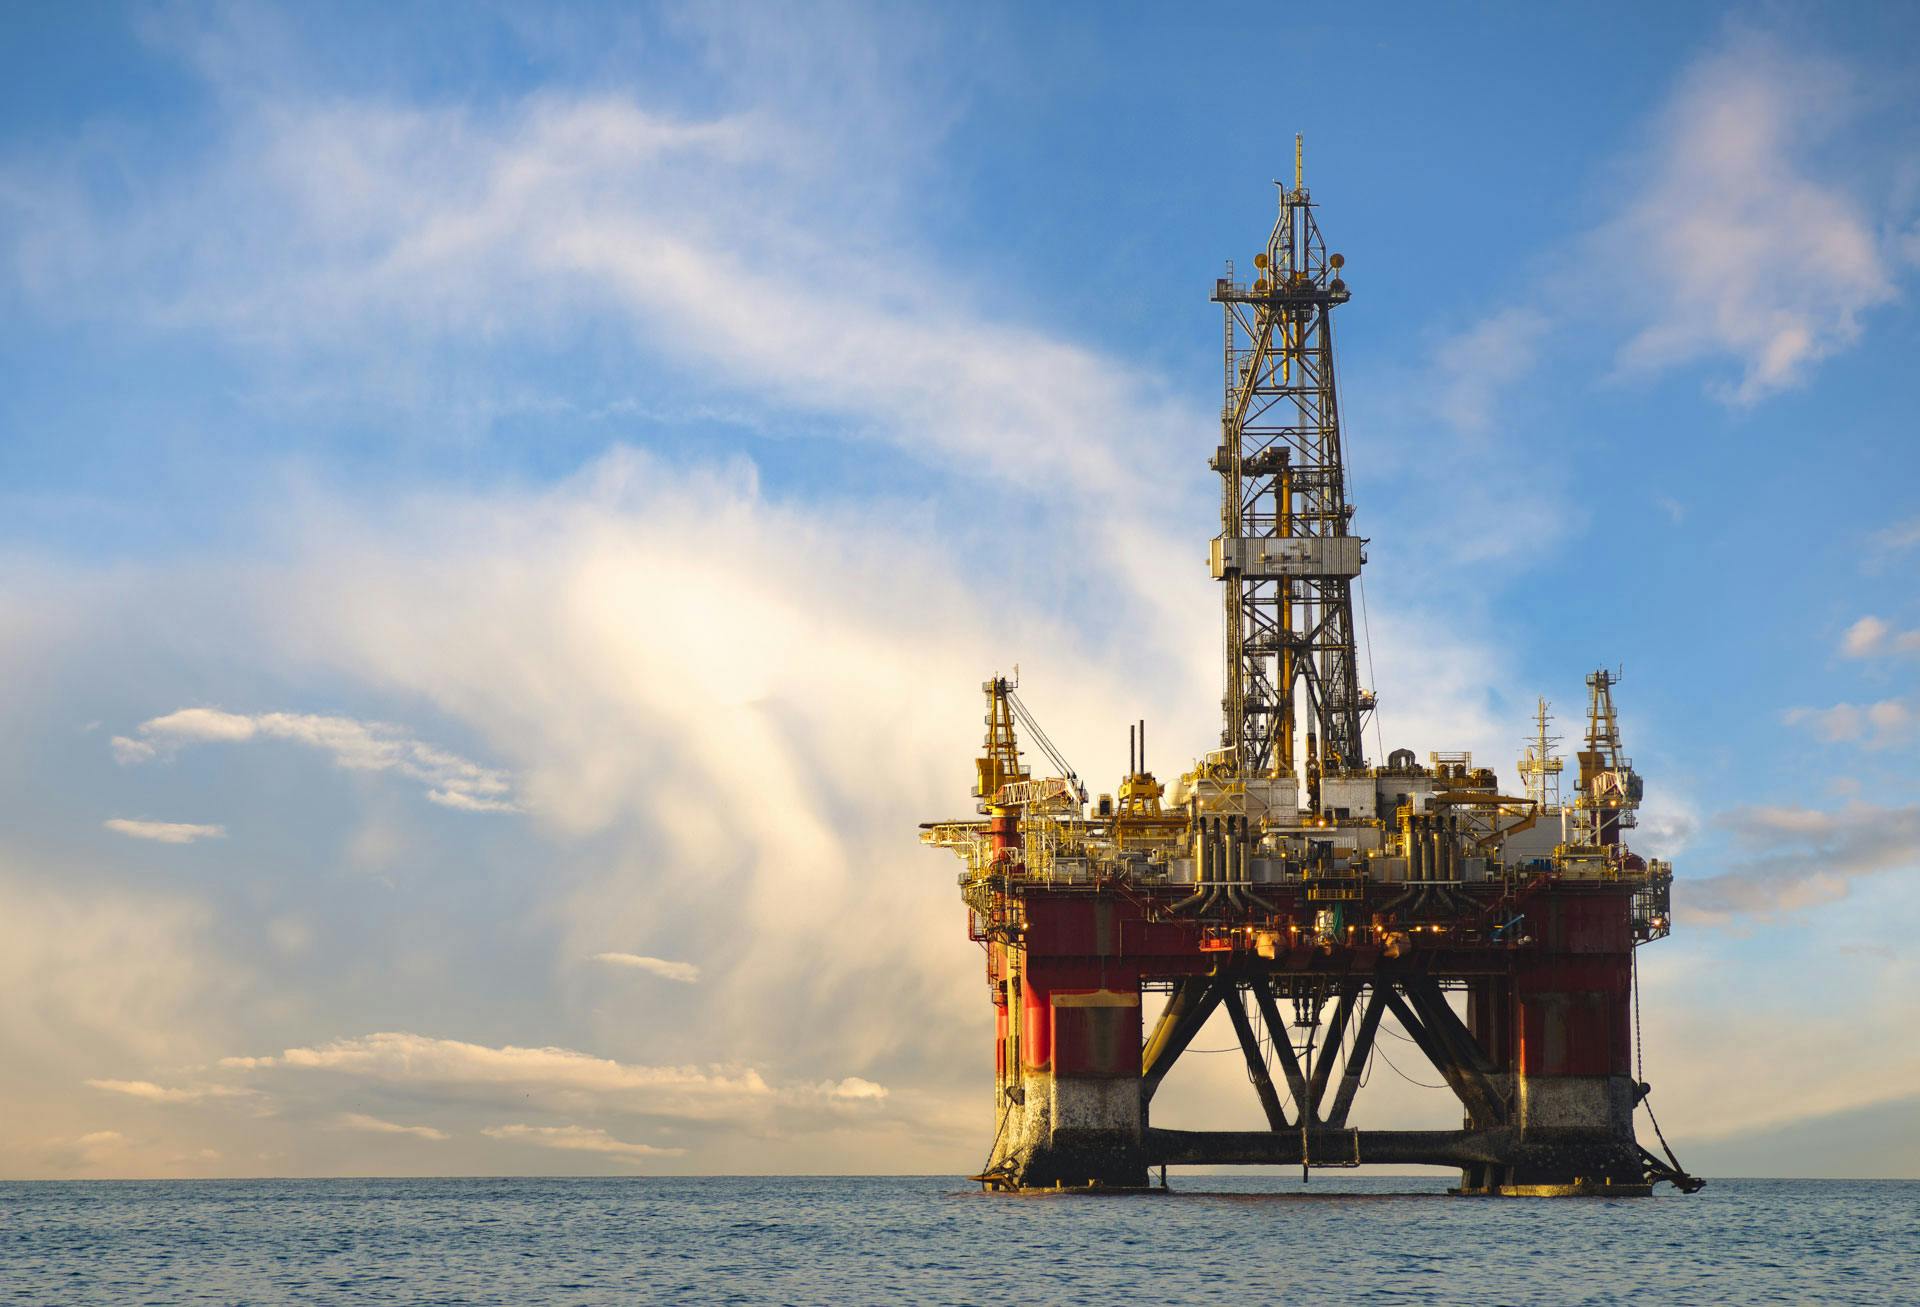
(928, 1240)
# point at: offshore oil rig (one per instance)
(1310, 894)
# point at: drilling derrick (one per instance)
(1284, 553)
(1283, 873)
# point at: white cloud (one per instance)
(451, 780)
(1668, 823)
(578, 1139)
(684, 972)
(1873, 637)
(697, 232)
(210, 725)
(1800, 858)
(164, 832)
(1472, 369)
(93, 1148)
(853, 1089)
(1897, 538)
(564, 1078)
(154, 1093)
(374, 1125)
(1874, 725)
(1736, 241)
(128, 751)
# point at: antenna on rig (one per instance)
(1539, 767)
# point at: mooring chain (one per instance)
(1685, 1183)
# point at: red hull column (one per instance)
(1571, 1049)
(1073, 1116)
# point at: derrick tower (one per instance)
(1285, 552)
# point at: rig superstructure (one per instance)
(1283, 874)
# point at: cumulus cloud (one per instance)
(1873, 725)
(153, 1093)
(1873, 637)
(374, 1125)
(1734, 244)
(164, 832)
(1801, 858)
(684, 972)
(576, 1138)
(564, 1078)
(451, 780)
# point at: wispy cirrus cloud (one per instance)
(1739, 243)
(1739, 238)
(1877, 725)
(1471, 370)
(684, 972)
(581, 1139)
(451, 781)
(1898, 538)
(92, 1149)
(374, 1125)
(164, 832)
(563, 1078)
(154, 1093)
(390, 220)
(1800, 858)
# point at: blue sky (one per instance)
(506, 509)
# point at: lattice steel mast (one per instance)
(1284, 548)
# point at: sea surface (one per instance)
(927, 1240)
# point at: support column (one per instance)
(1076, 1116)
(1571, 1055)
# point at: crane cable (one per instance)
(1046, 745)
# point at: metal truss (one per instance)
(1307, 1125)
(1416, 1002)
(1290, 631)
